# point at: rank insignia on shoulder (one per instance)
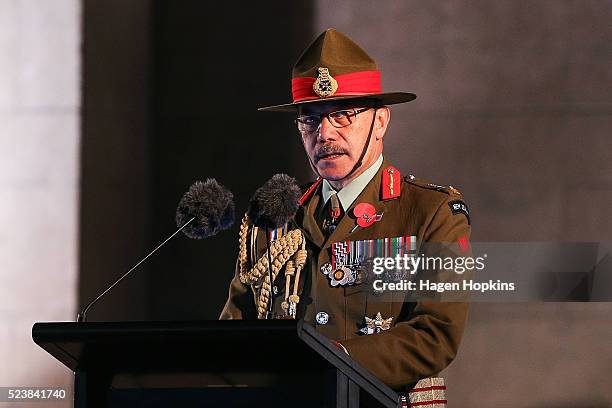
(454, 190)
(390, 186)
(459, 207)
(376, 325)
(450, 190)
(437, 186)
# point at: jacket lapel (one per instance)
(306, 219)
(371, 194)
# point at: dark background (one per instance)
(171, 91)
(513, 109)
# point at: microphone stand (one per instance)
(82, 315)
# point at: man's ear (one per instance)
(383, 115)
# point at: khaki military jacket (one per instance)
(424, 335)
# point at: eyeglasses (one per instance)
(308, 124)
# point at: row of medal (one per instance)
(350, 258)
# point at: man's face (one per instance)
(334, 150)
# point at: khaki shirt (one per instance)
(425, 335)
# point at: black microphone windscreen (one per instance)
(211, 204)
(274, 203)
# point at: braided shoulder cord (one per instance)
(281, 251)
(243, 259)
(289, 272)
(300, 260)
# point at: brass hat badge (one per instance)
(325, 85)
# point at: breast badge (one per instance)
(376, 325)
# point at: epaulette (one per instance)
(450, 190)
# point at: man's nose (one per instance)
(326, 130)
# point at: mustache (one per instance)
(328, 149)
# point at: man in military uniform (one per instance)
(359, 204)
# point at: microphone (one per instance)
(203, 211)
(272, 206)
(212, 207)
(275, 203)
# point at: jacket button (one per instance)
(322, 318)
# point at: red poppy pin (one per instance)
(366, 214)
